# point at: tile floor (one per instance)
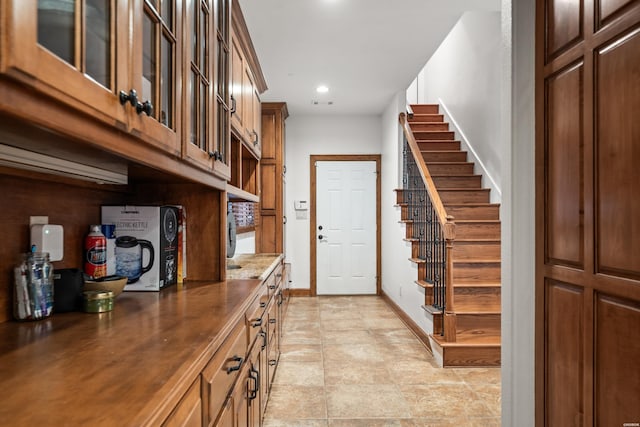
(351, 362)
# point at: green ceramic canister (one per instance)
(98, 301)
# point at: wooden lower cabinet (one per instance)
(188, 413)
(222, 371)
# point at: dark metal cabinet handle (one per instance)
(272, 287)
(272, 362)
(233, 105)
(215, 155)
(255, 377)
(255, 141)
(263, 334)
(272, 321)
(256, 323)
(263, 304)
(237, 367)
(145, 107)
(131, 97)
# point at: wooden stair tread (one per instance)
(477, 239)
(469, 340)
(486, 190)
(487, 284)
(478, 221)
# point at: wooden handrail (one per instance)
(448, 230)
(447, 221)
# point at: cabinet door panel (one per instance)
(155, 73)
(71, 51)
(188, 413)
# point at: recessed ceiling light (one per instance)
(322, 89)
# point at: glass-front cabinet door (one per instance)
(71, 50)
(198, 143)
(222, 87)
(156, 72)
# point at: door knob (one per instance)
(320, 237)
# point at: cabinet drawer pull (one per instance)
(144, 107)
(233, 105)
(272, 362)
(131, 97)
(256, 323)
(263, 304)
(237, 367)
(272, 320)
(255, 377)
(263, 334)
(272, 287)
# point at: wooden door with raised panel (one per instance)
(587, 212)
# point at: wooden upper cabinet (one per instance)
(74, 51)
(198, 82)
(237, 87)
(155, 72)
(222, 93)
(247, 83)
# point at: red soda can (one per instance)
(95, 253)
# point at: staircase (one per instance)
(475, 251)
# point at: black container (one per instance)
(68, 284)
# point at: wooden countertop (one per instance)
(252, 266)
(127, 367)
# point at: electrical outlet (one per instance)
(38, 220)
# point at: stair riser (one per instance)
(473, 212)
(476, 273)
(477, 231)
(429, 127)
(474, 356)
(425, 108)
(434, 136)
(423, 118)
(480, 323)
(450, 168)
(472, 251)
(457, 181)
(465, 196)
(433, 145)
(477, 299)
(444, 156)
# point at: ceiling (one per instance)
(365, 51)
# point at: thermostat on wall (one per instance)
(300, 205)
(48, 238)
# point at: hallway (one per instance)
(350, 361)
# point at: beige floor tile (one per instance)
(355, 372)
(490, 394)
(420, 372)
(301, 353)
(441, 401)
(366, 401)
(301, 336)
(351, 362)
(269, 422)
(356, 353)
(300, 373)
(479, 375)
(403, 352)
(347, 336)
(364, 422)
(400, 335)
(288, 402)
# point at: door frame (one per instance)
(312, 207)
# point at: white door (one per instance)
(346, 227)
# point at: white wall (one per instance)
(246, 243)
(307, 135)
(518, 215)
(398, 274)
(464, 77)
